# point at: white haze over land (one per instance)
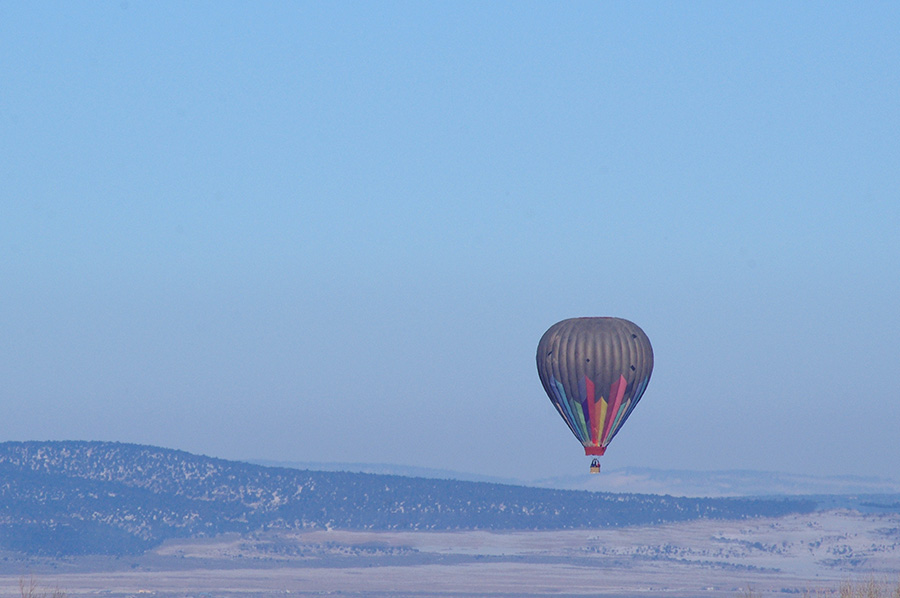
(645, 480)
(721, 483)
(335, 232)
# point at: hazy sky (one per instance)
(335, 231)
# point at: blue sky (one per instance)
(337, 231)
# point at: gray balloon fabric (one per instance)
(595, 370)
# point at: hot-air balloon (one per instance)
(594, 370)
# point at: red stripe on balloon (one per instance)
(616, 392)
(592, 409)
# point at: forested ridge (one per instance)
(79, 497)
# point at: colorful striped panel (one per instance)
(582, 423)
(563, 401)
(601, 417)
(592, 410)
(616, 391)
(617, 423)
(635, 397)
(562, 404)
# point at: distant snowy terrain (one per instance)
(721, 483)
(648, 481)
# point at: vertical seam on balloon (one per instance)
(561, 348)
(569, 351)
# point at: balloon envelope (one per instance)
(594, 370)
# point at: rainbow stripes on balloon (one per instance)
(595, 420)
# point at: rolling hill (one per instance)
(80, 497)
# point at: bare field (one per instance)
(701, 558)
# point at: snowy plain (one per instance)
(813, 552)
